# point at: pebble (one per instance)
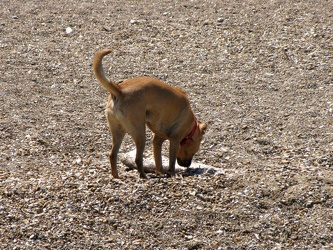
(69, 30)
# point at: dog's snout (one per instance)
(184, 162)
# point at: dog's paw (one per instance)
(170, 174)
(143, 176)
(114, 173)
(159, 173)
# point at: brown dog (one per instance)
(165, 109)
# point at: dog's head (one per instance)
(188, 149)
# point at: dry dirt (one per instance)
(258, 72)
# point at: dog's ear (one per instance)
(203, 127)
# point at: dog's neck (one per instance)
(188, 138)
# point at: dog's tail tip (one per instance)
(109, 85)
(103, 52)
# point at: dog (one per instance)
(135, 103)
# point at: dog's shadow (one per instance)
(197, 169)
(186, 172)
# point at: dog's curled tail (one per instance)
(99, 73)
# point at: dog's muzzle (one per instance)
(184, 162)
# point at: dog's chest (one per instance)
(159, 125)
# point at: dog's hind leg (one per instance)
(118, 134)
(140, 141)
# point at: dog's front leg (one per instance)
(174, 147)
(157, 148)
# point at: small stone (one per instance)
(69, 30)
(309, 204)
(206, 22)
(219, 232)
(134, 21)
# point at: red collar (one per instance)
(188, 138)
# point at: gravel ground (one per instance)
(258, 72)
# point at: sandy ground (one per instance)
(258, 72)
